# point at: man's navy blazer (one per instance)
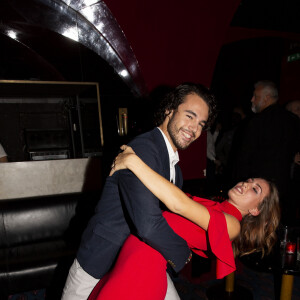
(127, 206)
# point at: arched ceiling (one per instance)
(89, 23)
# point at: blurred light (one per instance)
(89, 13)
(71, 33)
(89, 2)
(100, 27)
(124, 73)
(12, 34)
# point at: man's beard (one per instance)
(174, 132)
(255, 108)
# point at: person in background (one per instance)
(269, 143)
(3, 155)
(212, 162)
(226, 144)
(294, 107)
(127, 206)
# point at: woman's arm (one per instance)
(176, 200)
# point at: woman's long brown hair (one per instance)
(258, 233)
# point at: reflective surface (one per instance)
(88, 22)
(48, 120)
(78, 41)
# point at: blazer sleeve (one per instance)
(144, 210)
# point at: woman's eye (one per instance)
(255, 190)
(190, 117)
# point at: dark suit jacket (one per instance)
(126, 205)
(268, 146)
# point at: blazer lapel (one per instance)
(163, 151)
(179, 179)
(166, 160)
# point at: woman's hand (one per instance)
(120, 162)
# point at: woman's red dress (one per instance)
(140, 271)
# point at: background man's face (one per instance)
(186, 123)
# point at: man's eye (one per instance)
(190, 117)
(255, 190)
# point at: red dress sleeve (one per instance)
(216, 237)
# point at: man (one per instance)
(269, 141)
(127, 206)
(264, 95)
(294, 204)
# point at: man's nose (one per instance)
(193, 126)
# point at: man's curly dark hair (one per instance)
(176, 97)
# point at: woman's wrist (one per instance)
(131, 161)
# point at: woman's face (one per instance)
(247, 196)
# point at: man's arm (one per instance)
(145, 213)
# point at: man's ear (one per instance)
(169, 113)
(268, 100)
(254, 211)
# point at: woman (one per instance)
(249, 217)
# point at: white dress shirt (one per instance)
(173, 157)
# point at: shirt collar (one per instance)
(173, 156)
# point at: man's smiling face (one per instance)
(186, 123)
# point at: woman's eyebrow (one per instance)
(257, 184)
(259, 187)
